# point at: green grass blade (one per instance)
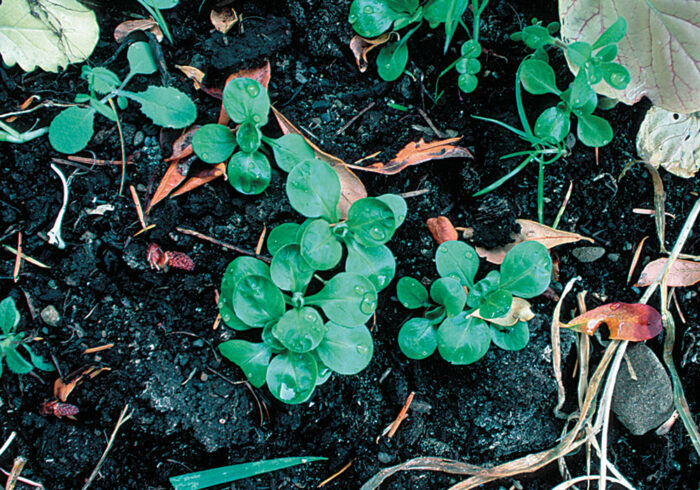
(226, 474)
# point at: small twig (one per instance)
(402, 415)
(635, 259)
(26, 257)
(437, 132)
(26, 481)
(261, 241)
(8, 442)
(17, 468)
(354, 118)
(123, 417)
(121, 143)
(336, 474)
(562, 208)
(18, 259)
(209, 239)
(54, 233)
(261, 406)
(416, 193)
(99, 348)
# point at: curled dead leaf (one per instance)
(442, 229)
(194, 74)
(182, 146)
(61, 388)
(683, 273)
(520, 311)
(531, 231)
(418, 152)
(626, 321)
(351, 186)
(223, 19)
(129, 26)
(360, 46)
(200, 178)
(174, 176)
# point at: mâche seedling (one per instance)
(11, 341)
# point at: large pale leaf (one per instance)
(670, 140)
(661, 49)
(48, 34)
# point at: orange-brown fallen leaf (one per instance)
(194, 74)
(531, 231)
(129, 26)
(223, 19)
(683, 273)
(174, 176)
(361, 46)
(62, 389)
(626, 321)
(442, 229)
(182, 146)
(351, 186)
(418, 152)
(200, 178)
(260, 74)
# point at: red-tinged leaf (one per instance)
(351, 186)
(182, 147)
(416, 153)
(179, 260)
(626, 321)
(129, 26)
(442, 229)
(361, 46)
(174, 176)
(200, 178)
(683, 273)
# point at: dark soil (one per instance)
(186, 417)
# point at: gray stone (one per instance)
(51, 316)
(588, 254)
(647, 402)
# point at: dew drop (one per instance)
(368, 10)
(377, 233)
(443, 250)
(287, 392)
(362, 349)
(381, 280)
(359, 289)
(352, 18)
(227, 318)
(253, 89)
(368, 304)
(309, 317)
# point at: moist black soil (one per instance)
(188, 415)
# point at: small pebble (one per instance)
(51, 316)
(385, 458)
(138, 138)
(588, 254)
(614, 257)
(199, 343)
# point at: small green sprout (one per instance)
(72, 129)
(468, 315)
(300, 349)
(11, 341)
(247, 103)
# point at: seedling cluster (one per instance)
(11, 341)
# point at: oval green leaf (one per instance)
(282, 235)
(397, 205)
(411, 293)
(526, 270)
(313, 188)
(246, 100)
(463, 340)
(417, 338)
(291, 377)
(300, 330)
(9, 316)
(553, 125)
(375, 263)
(290, 150)
(457, 260)
(391, 61)
(289, 270)
(593, 131)
(449, 293)
(371, 221)
(15, 362)
(320, 246)
(249, 173)
(257, 301)
(140, 58)
(252, 358)
(347, 299)
(248, 137)
(538, 77)
(213, 143)
(71, 130)
(346, 350)
(371, 18)
(511, 338)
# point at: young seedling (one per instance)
(247, 103)
(72, 129)
(307, 347)
(11, 341)
(154, 8)
(372, 18)
(592, 64)
(465, 316)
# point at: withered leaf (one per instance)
(626, 321)
(182, 146)
(61, 388)
(174, 176)
(129, 26)
(200, 178)
(520, 311)
(223, 19)
(194, 74)
(683, 273)
(442, 229)
(360, 46)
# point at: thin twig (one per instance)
(8, 442)
(437, 132)
(123, 417)
(26, 257)
(18, 259)
(354, 118)
(336, 474)
(209, 239)
(17, 468)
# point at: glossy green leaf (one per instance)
(487, 285)
(290, 150)
(257, 301)
(268, 336)
(538, 77)
(593, 131)
(496, 304)
(371, 18)
(470, 49)
(141, 60)
(300, 330)
(471, 66)
(553, 124)
(289, 270)
(526, 270)
(411, 293)
(371, 221)
(418, 338)
(613, 34)
(536, 36)
(246, 100)
(375, 263)
(457, 260)
(248, 137)
(249, 173)
(282, 235)
(608, 53)
(313, 188)
(463, 340)
(581, 91)
(397, 205)
(324, 372)
(213, 143)
(319, 246)
(235, 271)
(226, 474)
(291, 377)
(71, 130)
(165, 106)
(37, 360)
(579, 53)
(616, 75)
(15, 362)
(391, 60)
(252, 358)
(161, 4)
(449, 293)
(346, 350)
(9, 316)
(347, 299)
(511, 338)
(101, 80)
(467, 83)
(103, 108)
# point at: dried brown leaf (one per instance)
(129, 26)
(360, 46)
(200, 178)
(416, 153)
(194, 74)
(531, 231)
(174, 176)
(62, 389)
(442, 229)
(683, 273)
(351, 186)
(182, 146)
(626, 321)
(223, 19)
